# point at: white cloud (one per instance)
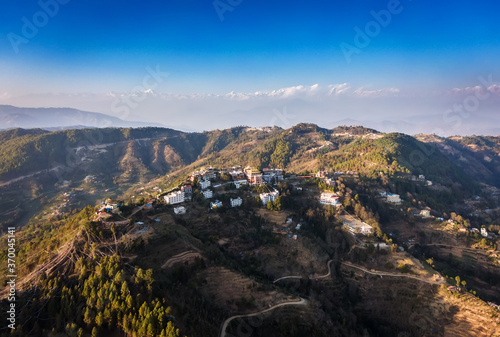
(5, 96)
(362, 92)
(313, 91)
(302, 91)
(494, 88)
(338, 89)
(478, 89)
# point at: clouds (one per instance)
(300, 91)
(361, 92)
(315, 91)
(385, 108)
(318, 91)
(476, 90)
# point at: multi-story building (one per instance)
(330, 182)
(208, 194)
(174, 198)
(271, 196)
(254, 176)
(270, 174)
(238, 183)
(355, 226)
(204, 184)
(236, 202)
(180, 210)
(394, 198)
(187, 189)
(237, 175)
(329, 199)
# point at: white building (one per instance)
(180, 210)
(355, 225)
(239, 183)
(236, 202)
(237, 174)
(270, 174)
(330, 182)
(208, 194)
(216, 204)
(174, 198)
(271, 196)
(109, 208)
(205, 184)
(329, 199)
(484, 232)
(425, 213)
(394, 198)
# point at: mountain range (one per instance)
(101, 252)
(60, 118)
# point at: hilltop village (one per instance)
(233, 187)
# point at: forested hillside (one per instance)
(99, 252)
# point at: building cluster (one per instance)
(340, 173)
(485, 234)
(205, 174)
(421, 179)
(286, 229)
(327, 177)
(239, 176)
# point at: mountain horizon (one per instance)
(51, 118)
(60, 118)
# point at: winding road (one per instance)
(222, 332)
(380, 273)
(313, 278)
(302, 301)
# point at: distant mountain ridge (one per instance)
(140, 154)
(60, 118)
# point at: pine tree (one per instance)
(99, 319)
(88, 317)
(124, 290)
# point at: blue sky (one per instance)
(97, 47)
